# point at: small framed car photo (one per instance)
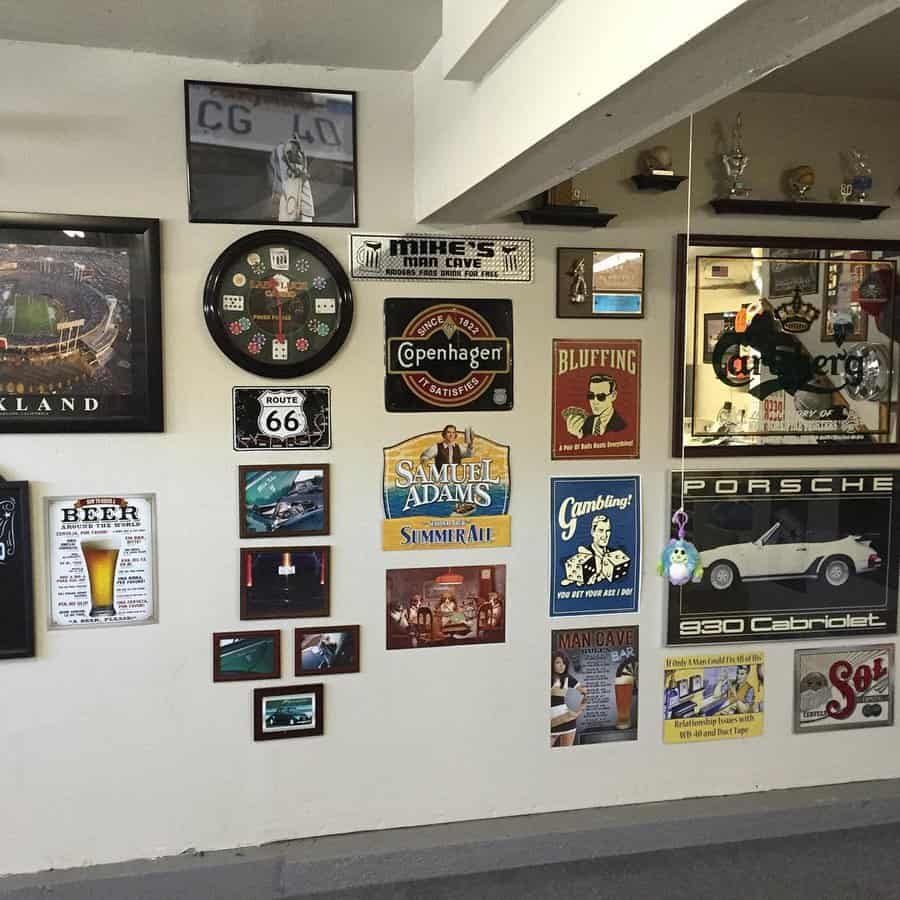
(283, 501)
(288, 712)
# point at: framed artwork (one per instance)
(425, 509)
(713, 697)
(778, 383)
(445, 607)
(283, 501)
(293, 711)
(80, 324)
(327, 650)
(285, 582)
(787, 554)
(16, 587)
(596, 399)
(101, 560)
(593, 685)
(594, 283)
(290, 418)
(444, 355)
(278, 304)
(836, 688)
(595, 545)
(246, 655)
(789, 270)
(266, 155)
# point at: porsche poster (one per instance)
(787, 554)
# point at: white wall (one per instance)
(116, 744)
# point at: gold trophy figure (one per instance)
(101, 556)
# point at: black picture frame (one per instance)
(890, 250)
(295, 724)
(16, 574)
(566, 309)
(250, 143)
(218, 331)
(265, 596)
(49, 408)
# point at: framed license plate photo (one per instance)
(283, 501)
(288, 712)
(785, 346)
(787, 554)
(16, 591)
(80, 324)
(593, 283)
(267, 155)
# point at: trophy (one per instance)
(100, 557)
(735, 161)
(577, 284)
(800, 180)
(657, 161)
(856, 189)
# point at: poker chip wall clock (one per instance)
(278, 304)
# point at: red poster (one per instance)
(596, 399)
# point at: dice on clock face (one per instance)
(278, 304)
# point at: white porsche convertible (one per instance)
(780, 554)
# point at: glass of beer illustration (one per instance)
(101, 556)
(624, 693)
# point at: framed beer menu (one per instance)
(102, 560)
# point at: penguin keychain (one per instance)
(680, 561)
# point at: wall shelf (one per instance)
(657, 182)
(737, 205)
(582, 216)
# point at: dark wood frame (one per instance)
(219, 675)
(323, 629)
(270, 87)
(27, 649)
(592, 250)
(146, 312)
(299, 467)
(323, 612)
(260, 694)
(679, 331)
(219, 333)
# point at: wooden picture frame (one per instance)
(16, 574)
(88, 357)
(240, 661)
(278, 503)
(264, 596)
(300, 712)
(302, 633)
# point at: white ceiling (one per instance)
(378, 34)
(863, 64)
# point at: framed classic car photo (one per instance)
(270, 155)
(293, 711)
(326, 650)
(246, 655)
(283, 501)
(80, 324)
(783, 346)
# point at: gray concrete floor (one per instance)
(837, 865)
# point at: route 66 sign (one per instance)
(282, 418)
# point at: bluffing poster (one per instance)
(713, 698)
(596, 399)
(593, 685)
(595, 552)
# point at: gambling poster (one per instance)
(446, 489)
(282, 418)
(448, 355)
(787, 554)
(102, 560)
(595, 545)
(843, 687)
(713, 698)
(596, 399)
(593, 685)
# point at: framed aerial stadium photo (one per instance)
(80, 324)
(270, 155)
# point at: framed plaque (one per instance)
(80, 324)
(594, 283)
(785, 346)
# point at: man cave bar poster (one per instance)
(786, 555)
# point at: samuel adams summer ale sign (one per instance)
(448, 354)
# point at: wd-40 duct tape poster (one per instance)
(438, 257)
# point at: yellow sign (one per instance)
(713, 697)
